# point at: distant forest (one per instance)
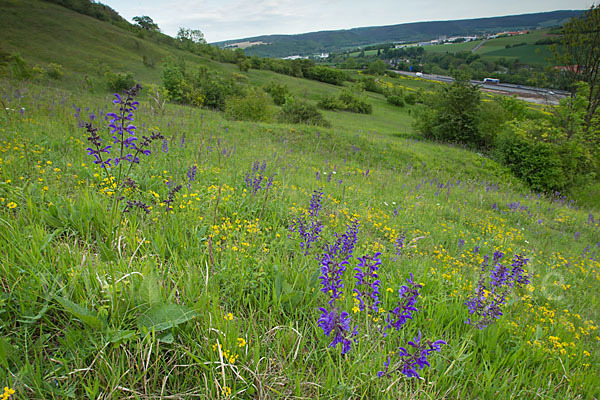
(329, 41)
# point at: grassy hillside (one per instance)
(521, 47)
(335, 41)
(212, 289)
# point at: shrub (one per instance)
(410, 98)
(254, 106)
(396, 100)
(173, 79)
(215, 88)
(453, 114)
(278, 92)
(345, 101)
(354, 103)
(37, 73)
(148, 61)
(54, 71)
(19, 68)
(377, 67)
(330, 103)
(537, 163)
(117, 82)
(301, 112)
(327, 75)
(371, 85)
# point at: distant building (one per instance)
(243, 45)
(570, 68)
(294, 57)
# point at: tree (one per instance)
(193, 35)
(145, 22)
(579, 54)
(377, 67)
(453, 114)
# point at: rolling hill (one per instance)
(328, 41)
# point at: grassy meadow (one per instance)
(195, 281)
(214, 298)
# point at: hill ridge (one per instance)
(281, 45)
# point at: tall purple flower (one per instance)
(254, 178)
(410, 363)
(367, 281)
(486, 304)
(399, 245)
(309, 230)
(405, 307)
(337, 324)
(332, 272)
(122, 130)
(191, 174)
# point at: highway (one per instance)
(527, 93)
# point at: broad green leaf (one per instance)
(149, 290)
(83, 314)
(164, 316)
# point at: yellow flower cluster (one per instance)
(227, 355)
(8, 392)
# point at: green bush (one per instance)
(345, 101)
(173, 79)
(410, 98)
(215, 88)
(19, 68)
(537, 163)
(452, 114)
(327, 75)
(371, 85)
(300, 112)
(330, 102)
(55, 71)
(254, 106)
(203, 88)
(278, 92)
(117, 82)
(354, 103)
(396, 100)
(377, 67)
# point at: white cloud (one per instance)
(234, 19)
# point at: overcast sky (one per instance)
(234, 19)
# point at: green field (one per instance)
(452, 47)
(496, 48)
(212, 294)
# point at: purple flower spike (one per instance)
(410, 363)
(405, 308)
(487, 302)
(367, 282)
(338, 324)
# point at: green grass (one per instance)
(77, 308)
(45, 33)
(452, 47)
(528, 54)
(501, 42)
(215, 298)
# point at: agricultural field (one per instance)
(155, 250)
(492, 49)
(452, 47)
